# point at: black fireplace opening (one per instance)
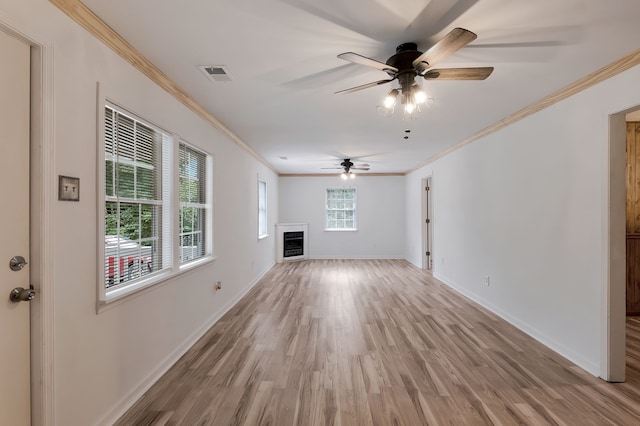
(293, 244)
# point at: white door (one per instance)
(14, 229)
(427, 226)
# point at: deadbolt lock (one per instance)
(17, 263)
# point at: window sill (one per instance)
(340, 230)
(118, 296)
(262, 237)
(194, 264)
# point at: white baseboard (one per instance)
(579, 360)
(392, 257)
(416, 264)
(132, 397)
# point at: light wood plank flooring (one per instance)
(376, 342)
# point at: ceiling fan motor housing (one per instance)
(347, 164)
(406, 53)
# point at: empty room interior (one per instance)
(291, 212)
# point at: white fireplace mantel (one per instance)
(281, 228)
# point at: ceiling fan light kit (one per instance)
(347, 175)
(390, 100)
(409, 63)
(413, 100)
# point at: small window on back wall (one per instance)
(262, 209)
(341, 209)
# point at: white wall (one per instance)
(102, 361)
(380, 214)
(523, 206)
(527, 206)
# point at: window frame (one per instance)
(207, 222)
(354, 210)
(263, 212)
(170, 212)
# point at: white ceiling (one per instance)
(282, 57)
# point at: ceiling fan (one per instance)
(347, 166)
(409, 63)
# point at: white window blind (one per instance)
(135, 189)
(341, 209)
(193, 203)
(262, 208)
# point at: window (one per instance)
(262, 209)
(151, 227)
(193, 203)
(135, 162)
(341, 209)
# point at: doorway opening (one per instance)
(632, 228)
(632, 297)
(621, 234)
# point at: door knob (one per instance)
(20, 294)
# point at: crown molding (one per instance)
(338, 174)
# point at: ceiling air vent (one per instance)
(216, 72)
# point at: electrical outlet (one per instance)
(218, 286)
(486, 280)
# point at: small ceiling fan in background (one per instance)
(347, 166)
(409, 63)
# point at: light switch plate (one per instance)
(68, 188)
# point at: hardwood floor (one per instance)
(377, 342)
